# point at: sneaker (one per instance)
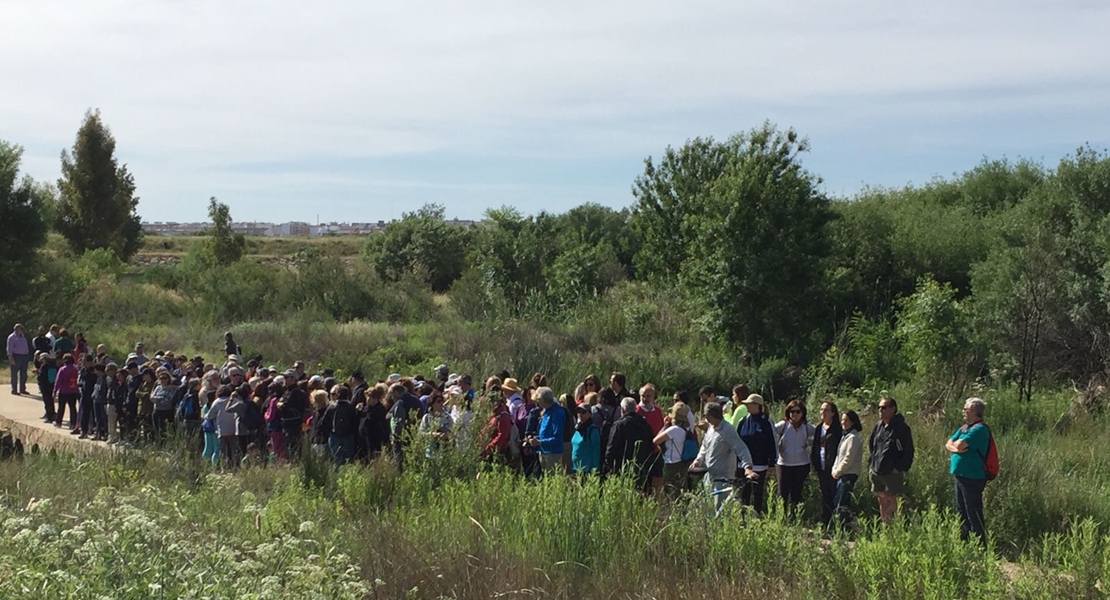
(83, 436)
(15, 393)
(23, 392)
(75, 432)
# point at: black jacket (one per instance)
(891, 446)
(341, 418)
(374, 428)
(629, 440)
(830, 441)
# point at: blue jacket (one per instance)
(758, 433)
(585, 449)
(552, 425)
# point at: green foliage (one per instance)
(226, 245)
(752, 237)
(22, 227)
(97, 202)
(420, 242)
(934, 331)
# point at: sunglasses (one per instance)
(793, 411)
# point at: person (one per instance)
(341, 422)
(162, 404)
(293, 407)
(721, 450)
(225, 412)
(795, 437)
(63, 344)
(81, 346)
(272, 416)
(672, 439)
(969, 445)
(317, 428)
(230, 347)
(758, 434)
(654, 416)
(591, 384)
(139, 356)
(735, 409)
(404, 412)
(630, 446)
(374, 423)
(891, 446)
(585, 443)
(499, 428)
(847, 466)
(436, 425)
(549, 436)
(19, 356)
(826, 441)
(616, 391)
(42, 342)
(68, 390)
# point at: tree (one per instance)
(420, 242)
(22, 227)
(227, 246)
(742, 225)
(97, 203)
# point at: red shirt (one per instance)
(654, 417)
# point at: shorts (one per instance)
(890, 483)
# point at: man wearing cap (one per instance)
(293, 406)
(139, 356)
(19, 355)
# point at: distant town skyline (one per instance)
(364, 111)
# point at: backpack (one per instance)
(690, 447)
(990, 461)
(514, 439)
(187, 408)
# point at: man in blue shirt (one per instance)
(549, 438)
(968, 446)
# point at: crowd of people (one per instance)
(238, 412)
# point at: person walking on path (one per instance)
(19, 356)
(969, 445)
(891, 447)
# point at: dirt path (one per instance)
(21, 416)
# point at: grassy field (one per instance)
(155, 524)
(258, 246)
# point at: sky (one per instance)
(360, 111)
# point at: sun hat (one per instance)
(755, 399)
(511, 385)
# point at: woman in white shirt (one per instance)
(672, 439)
(795, 437)
(848, 465)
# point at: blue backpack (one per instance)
(690, 446)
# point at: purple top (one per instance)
(66, 382)
(17, 344)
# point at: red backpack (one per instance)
(990, 461)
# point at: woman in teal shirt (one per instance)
(585, 444)
(967, 465)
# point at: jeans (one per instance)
(19, 372)
(342, 448)
(754, 492)
(969, 503)
(842, 501)
(100, 419)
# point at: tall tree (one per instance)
(97, 203)
(22, 228)
(421, 242)
(227, 246)
(742, 225)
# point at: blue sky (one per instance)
(360, 111)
